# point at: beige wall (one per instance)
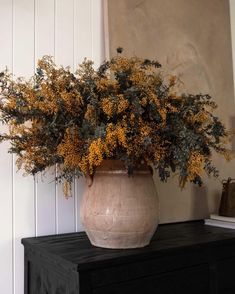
(190, 38)
(232, 25)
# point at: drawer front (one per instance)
(225, 276)
(192, 280)
(141, 269)
(43, 278)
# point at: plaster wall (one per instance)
(191, 39)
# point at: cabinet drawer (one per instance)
(226, 281)
(44, 278)
(149, 267)
(192, 280)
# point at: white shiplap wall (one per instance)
(69, 30)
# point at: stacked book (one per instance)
(220, 221)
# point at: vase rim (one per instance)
(118, 167)
(122, 171)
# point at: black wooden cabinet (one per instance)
(182, 258)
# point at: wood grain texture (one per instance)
(182, 258)
(76, 249)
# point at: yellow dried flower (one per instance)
(124, 109)
(95, 154)
(108, 106)
(159, 153)
(200, 117)
(144, 101)
(172, 80)
(121, 64)
(145, 130)
(121, 135)
(122, 104)
(69, 149)
(138, 77)
(67, 189)
(110, 139)
(153, 97)
(90, 113)
(195, 165)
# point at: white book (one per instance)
(220, 223)
(222, 218)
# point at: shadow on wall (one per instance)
(200, 205)
(232, 124)
(200, 202)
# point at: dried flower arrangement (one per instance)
(124, 110)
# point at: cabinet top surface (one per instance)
(75, 248)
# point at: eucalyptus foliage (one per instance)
(124, 110)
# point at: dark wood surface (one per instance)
(76, 248)
(182, 258)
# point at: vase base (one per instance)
(118, 240)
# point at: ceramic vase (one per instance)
(120, 210)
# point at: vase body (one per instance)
(120, 211)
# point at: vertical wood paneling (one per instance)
(45, 204)
(64, 27)
(84, 30)
(6, 219)
(79, 191)
(23, 38)
(6, 34)
(105, 29)
(44, 45)
(23, 65)
(97, 32)
(44, 28)
(64, 55)
(69, 30)
(6, 228)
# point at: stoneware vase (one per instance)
(120, 211)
